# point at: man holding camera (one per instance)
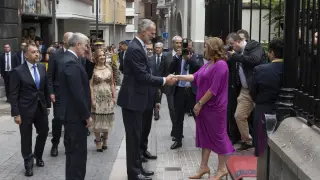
(246, 55)
(184, 92)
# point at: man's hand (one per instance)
(171, 80)
(53, 98)
(158, 105)
(89, 122)
(230, 53)
(17, 120)
(48, 111)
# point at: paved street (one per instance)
(11, 163)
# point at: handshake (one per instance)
(171, 79)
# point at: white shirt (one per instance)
(158, 58)
(144, 47)
(72, 52)
(173, 53)
(7, 61)
(30, 66)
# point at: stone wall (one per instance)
(294, 151)
(9, 26)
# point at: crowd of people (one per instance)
(80, 82)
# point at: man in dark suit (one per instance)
(169, 90)
(133, 96)
(184, 92)
(8, 61)
(20, 54)
(123, 49)
(54, 65)
(29, 103)
(74, 107)
(158, 60)
(264, 91)
(154, 100)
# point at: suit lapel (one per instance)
(29, 75)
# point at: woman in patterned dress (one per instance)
(103, 99)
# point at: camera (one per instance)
(228, 47)
(185, 50)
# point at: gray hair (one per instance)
(175, 38)
(159, 44)
(145, 24)
(76, 38)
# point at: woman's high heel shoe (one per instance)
(219, 175)
(200, 173)
(99, 146)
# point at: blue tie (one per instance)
(184, 72)
(36, 77)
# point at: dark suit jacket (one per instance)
(19, 56)
(24, 93)
(75, 91)
(194, 65)
(153, 64)
(266, 83)
(120, 54)
(55, 61)
(168, 90)
(137, 79)
(14, 62)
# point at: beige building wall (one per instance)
(108, 11)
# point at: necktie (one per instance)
(36, 77)
(8, 65)
(158, 61)
(184, 72)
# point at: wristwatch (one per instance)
(200, 103)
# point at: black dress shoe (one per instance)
(39, 162)
(143, 159)
(54, 151)
(146, 173)
(29, 172)
(148, 155)
(176, 145)
(175, 139)
(140, 177)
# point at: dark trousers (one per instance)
(146, 128)
(40, 121)
(6, 79)
(170, 100)
(183, 99)
(56, 121)
(133, 126)
(75, 142)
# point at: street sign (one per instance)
(165, 35)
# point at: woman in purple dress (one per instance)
(211, 108)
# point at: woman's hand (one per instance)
(92, 102)
(197, 109)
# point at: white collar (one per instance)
(30, 65)
(142, 43)
(173, 52)
(72, 52)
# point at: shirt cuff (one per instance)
(164, 81)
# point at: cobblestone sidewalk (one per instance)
(171, 164)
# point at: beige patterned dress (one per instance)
(102, 109)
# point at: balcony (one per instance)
(130, 12)
(130, 28)
(162, 4)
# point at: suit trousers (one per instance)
(183, 99)
(243, 111)
(6, 79)
(170, 100)
(146, 128)
(133, 126)
(56, 121)
(75, 142)
(40, 121)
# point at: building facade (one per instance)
(132, 8)
(185, 18)
(112, 21)
(9, 24)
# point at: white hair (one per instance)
(175, 38)
(76, 38)
(145, 24)
(159, 44)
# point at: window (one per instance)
(129, 21)
(129, 5)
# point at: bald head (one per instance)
(66, 38)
